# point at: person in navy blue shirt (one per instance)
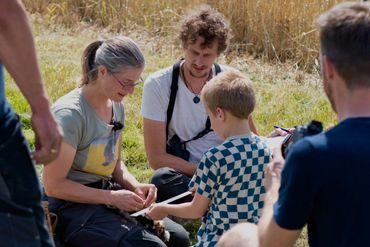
(324, 182)
(21, 214)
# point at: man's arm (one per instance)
(155, 146)
(269, 232)
(17, 53)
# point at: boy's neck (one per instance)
(236, 126)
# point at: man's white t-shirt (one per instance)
(188, 118)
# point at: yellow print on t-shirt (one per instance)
(96, 161)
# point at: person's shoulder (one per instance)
(214, 153)
(220, 151)
(69, 104)
(159, 77)
(225, 68)
(69, 100)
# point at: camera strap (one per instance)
(171, 103)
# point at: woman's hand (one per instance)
(147, 192)
(157, 212)
(126, 200)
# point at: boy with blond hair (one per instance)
(228, 181)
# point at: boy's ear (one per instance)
(220, 113)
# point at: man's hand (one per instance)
(147, 192)
(273, 170)
(48, 136)
(126, 200)
(157, 212)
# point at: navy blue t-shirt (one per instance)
(6, 113)
(326, 184)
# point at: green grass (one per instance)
(285, 95)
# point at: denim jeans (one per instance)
(22, 221)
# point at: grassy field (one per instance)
(286, 95)
(278, 30)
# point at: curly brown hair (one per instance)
(207, 23)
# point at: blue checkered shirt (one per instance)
(231, 175)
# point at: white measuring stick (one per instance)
(143, 211)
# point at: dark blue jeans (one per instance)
(22, 221)
(98, 226)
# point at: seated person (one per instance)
(204, 35)
(77, 182)
(240, 235)
(228, 181)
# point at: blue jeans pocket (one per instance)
(18, 231)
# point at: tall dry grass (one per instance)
(274, 29)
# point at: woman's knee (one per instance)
(160, 175)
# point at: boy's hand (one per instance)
(192, 190)
(157, 212)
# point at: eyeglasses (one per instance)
(123, 84)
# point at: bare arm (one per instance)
(270, 233)
(58, 185)
(17, 53)
(147, 192)
(189, 210)
(155, 146)
(122, 176)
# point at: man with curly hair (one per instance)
(176, 128)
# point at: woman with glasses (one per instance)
(80, 181)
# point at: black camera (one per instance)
(177, 148)
(312, 128)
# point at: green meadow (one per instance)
(286, 95)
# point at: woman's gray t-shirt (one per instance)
(95, 141)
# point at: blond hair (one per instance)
(231, 91)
